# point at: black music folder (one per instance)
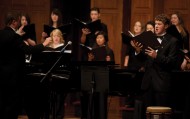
(172, 30)
(54, 49)
(126, 38)
(99, 53)
(29, 32)
(50, 56)
(147, 39)
(65, 29)
(92, 26)
(85, 49)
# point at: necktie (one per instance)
(160, 37)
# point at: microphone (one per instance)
(50, 70)
(63, 49)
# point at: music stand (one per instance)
(52, 60)
(95, 79)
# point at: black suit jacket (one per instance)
(158, 71)
(12, 61)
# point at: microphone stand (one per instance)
(91, 110)
(50, 70)
(53, 94)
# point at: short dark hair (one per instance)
(95, 9)
(104, 34)
(163, 18)
(151, 23)
(10, 17)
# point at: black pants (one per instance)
(154, 98)
(94, 106)
(9, 102)
(36, 97)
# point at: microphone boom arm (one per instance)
(50, 70)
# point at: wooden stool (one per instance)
(158, 112)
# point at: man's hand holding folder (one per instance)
(145, 39)
(92, 26)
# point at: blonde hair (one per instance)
(58, 33)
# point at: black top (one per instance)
(135, 61)
(184, 41)
(91, 38)
(29, 32)
(100, 53)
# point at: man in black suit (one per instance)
(157, 78)
(156, 83)
(12, 62)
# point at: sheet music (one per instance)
(62, 44)
(131, 33)
(68, 51)
(56, 51)
(51, 51)
(28, 58)
(86, 46)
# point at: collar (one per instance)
(162, 34)
(13, 28)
